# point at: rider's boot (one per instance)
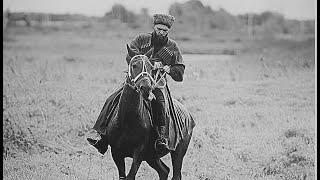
(162, 142)
(100, 142)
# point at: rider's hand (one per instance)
(166, 69)
(157, 65)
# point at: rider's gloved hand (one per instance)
(166, 68)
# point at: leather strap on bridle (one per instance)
(154, 81)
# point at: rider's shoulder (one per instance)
(172, 42)
(144, 35)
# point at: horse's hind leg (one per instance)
(161, 168)
(119, 161)
(177, 157)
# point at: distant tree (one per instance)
(5, 19)
(145, 11)
(176, 10)
(309, 26)
(195, 4)
(273, 22)
(202, 18)
(118, 11)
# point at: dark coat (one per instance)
(169, 54)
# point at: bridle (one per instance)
(155, 83)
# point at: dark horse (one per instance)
(131, 134)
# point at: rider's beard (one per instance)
(161, 37)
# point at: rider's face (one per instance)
(161, 30)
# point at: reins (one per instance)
(161, 77)
(155, 82)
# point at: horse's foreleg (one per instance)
(177, 157)
(161, 168)
(119, 161)
(136, 162)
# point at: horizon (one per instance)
(290, 9)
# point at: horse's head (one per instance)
(140, 72)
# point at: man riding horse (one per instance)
(167, 56)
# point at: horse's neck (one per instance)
(130, 104)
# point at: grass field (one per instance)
(254, 105)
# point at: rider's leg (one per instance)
(159, 104)
(108, 108)
(99, 140)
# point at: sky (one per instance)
(292, 9)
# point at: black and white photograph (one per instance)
(159, 90)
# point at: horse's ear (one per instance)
(130, 51)
(149, 53)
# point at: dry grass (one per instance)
(255, 111)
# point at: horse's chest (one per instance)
(130, 137)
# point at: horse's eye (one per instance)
(134, 66)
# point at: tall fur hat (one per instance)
(164, 19)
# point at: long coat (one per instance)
(169, 54)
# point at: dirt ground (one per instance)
(253, 99)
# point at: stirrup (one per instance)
(161, 144)
(92, 141)
(101, 149)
